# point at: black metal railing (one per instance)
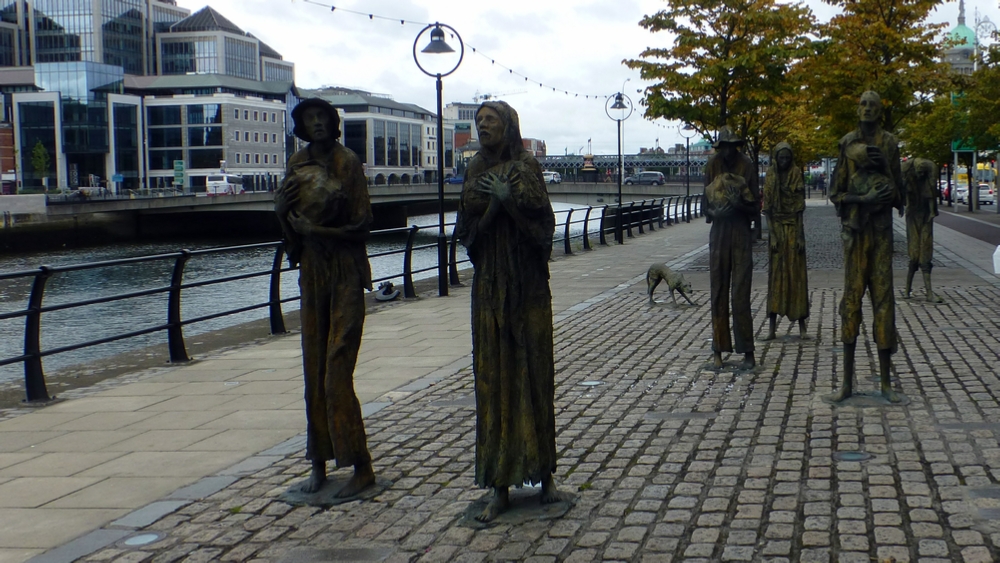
(635, 215)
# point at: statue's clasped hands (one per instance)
(300, 224)
(497, 186)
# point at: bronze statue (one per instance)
(326, 215)
(784, 205)
(506, 222)
(920, 180)
(866, 186)
(675, 282)
(730, 205)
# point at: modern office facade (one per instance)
(106, 92)
(397, 142)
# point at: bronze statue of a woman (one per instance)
(326, 215)
(506, 222)
(784, 205)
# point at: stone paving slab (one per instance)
(670, 462)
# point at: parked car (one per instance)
(986, 195)
(961, 191)
(552, 177)
(454, 180)
(646, 178)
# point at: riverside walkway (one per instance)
(668, 461)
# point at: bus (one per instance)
(224, 184)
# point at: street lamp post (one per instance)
(622, 105)
(687, 154)
(438, 46)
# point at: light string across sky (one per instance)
(511, 71)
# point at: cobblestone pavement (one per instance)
(670, 462)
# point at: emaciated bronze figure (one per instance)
(866, 186)
(784, 206)
(730, 205)
(326, 215)
(506, 222)
(920, 180)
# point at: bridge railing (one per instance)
(578, 223)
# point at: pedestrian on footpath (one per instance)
(506, 222)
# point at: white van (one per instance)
(224, 184)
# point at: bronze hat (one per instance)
(726, 135)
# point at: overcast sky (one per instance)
(574, 46)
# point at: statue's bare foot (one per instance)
(717, 360)
(551, 493)
(906, 295)
(843, 393)
(749, 362)
(890, 395)
(364, 477)
(317, 477)
(499, 503)
(770, 336)
(934, 298)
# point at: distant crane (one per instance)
(486, 97)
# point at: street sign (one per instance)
(117, 178)
(178, 174)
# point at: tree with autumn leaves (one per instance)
(771, 72)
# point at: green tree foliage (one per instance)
(728, 64)
(887, 46)
(929, 134)
(40, 160)
(981, 103)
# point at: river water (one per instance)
(77, 325)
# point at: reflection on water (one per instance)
(72, 326)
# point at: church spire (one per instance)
(961, 12)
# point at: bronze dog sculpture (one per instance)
(675, 282)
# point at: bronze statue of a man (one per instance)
(326, 216)
(731, 179)
(784, 206)
(867, 184)
(506, 222)
(920, 179)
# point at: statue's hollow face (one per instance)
(728, 150)
(869, 108)
(317, 124)
(784, 159)
(490, 128)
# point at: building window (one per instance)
(164, 115)
(204, 158)
(204, 136)
(274, 137)
(274, 159)
(246, 158)
(207, 114)
(255, 116)
(236, 114)
(256, 137)
(236, 135)
(393, 143)
(256, 158)
(378, 134)
(273, 117)
(246, 114)
(246, 136)
(265, 159)
(237, 158)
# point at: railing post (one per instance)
(604, 237)
(650, 212)
(586, 227)
(666, 211)
(453, 259)
(408, 290)
(659, 214)
(175, 333)
(687, 209)
(642, 207)
(567, 247)
(630, 206)
(274, 302)
(34, 377)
